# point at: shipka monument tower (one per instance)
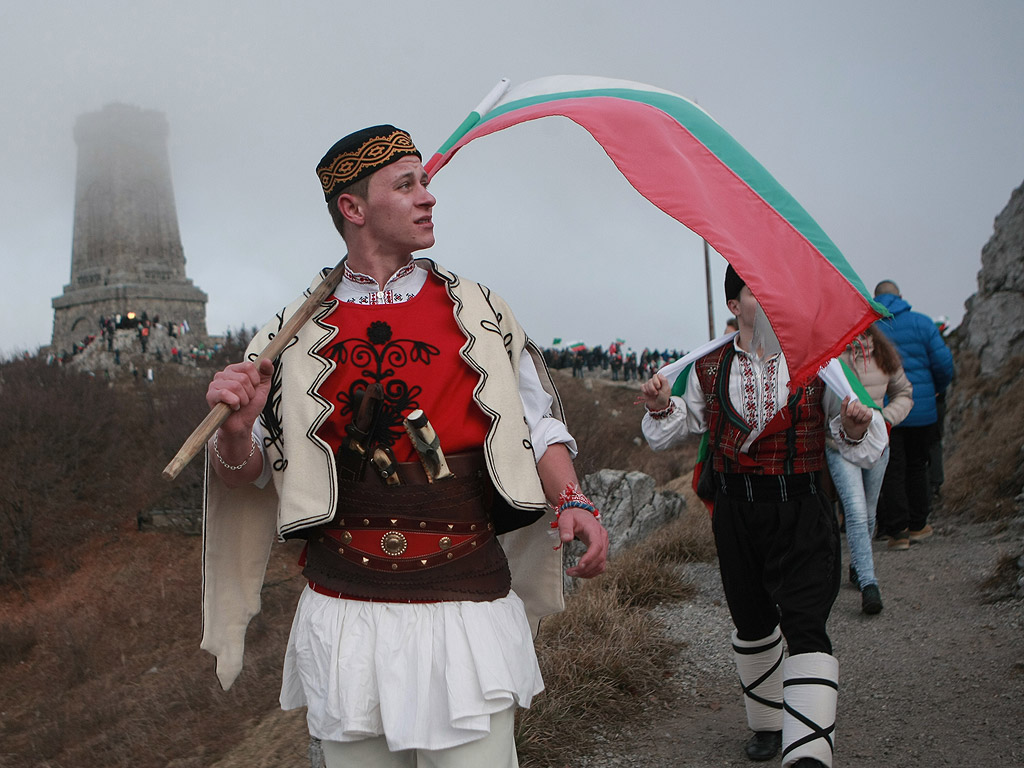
(126, 253)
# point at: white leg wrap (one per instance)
(811, 688)
(759, 663)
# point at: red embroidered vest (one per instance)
(412, 350)
(793, 442)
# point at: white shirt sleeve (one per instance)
(866, 452)
(687, 418)
(257, 432)
(545, 429)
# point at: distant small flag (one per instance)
(556, 341)
(579, 346)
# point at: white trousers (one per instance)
(495, 750)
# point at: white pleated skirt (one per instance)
(425, 675)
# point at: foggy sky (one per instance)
(899, 126)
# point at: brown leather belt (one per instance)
(399, 544)
(469, 465)
(412, 542)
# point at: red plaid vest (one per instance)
(792, 443)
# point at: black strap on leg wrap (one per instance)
(816, 731)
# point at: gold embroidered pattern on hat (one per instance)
(377, 151)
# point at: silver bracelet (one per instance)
(233, 467)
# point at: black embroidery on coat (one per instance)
(495, 327)
(271, 415)
(381, 356)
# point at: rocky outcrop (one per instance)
(984, 445)
(630, 507)
(993, 327)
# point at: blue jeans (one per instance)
(858, 490)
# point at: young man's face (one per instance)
(744, 307)
(399, 207)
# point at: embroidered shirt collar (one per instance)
(359, 288)
(750, 355)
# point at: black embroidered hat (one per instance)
(733, 283)
(361, 153)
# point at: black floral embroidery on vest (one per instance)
(381, 357)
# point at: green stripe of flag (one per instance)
(857, 387)
(728, 151)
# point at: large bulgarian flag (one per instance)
(680, 159)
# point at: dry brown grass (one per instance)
(606, 657)
(983, 461)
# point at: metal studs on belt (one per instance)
(445, 542)
(346, 537)
(393, 543)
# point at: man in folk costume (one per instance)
(412, 643)
(776, 535)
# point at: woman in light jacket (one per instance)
(877, 364)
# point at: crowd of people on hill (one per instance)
(623, 362)
(145, 329)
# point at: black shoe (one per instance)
(808, 762)
(853, 577)
(764, 745)
(871, 600)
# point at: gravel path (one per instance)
(934, 680)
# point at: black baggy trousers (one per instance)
(779, 555)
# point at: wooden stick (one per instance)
(220, 412)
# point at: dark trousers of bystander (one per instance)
(906, 489)
(779, 560)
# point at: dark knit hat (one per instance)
(733, 283)
(361, 153)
